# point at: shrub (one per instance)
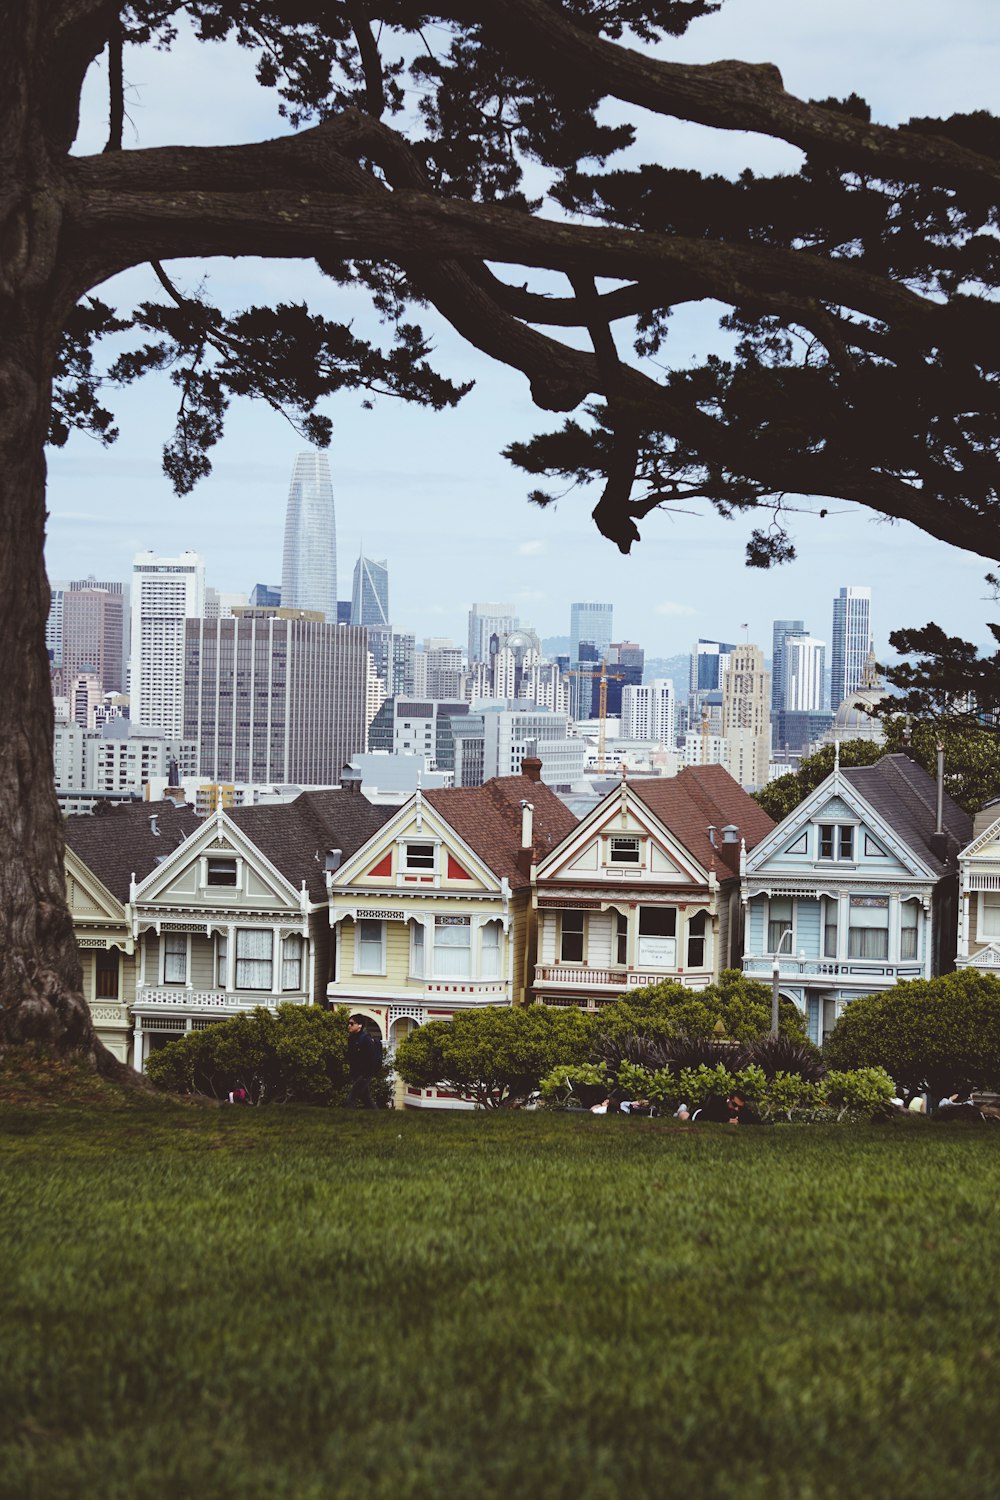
(736, 1009)
(938, 1034)
(494, 1055)
(862, 1092)
(575, 1083)
(785, 1054)
(298, 1054)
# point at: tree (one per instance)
(736, 1009)
(783, 795)
(495, 1056)
(939, 1034)
(858, 292)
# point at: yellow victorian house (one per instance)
(433, 913)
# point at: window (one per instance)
(696, 940)
(836, 841)
(989, 915)
(779, 921)
(624, 851)
(291, 962)
(417, 950)
(868, 934)
(418, 856)
(369, 955)
(830, 906)
(657, 936)
(221, 961)
(220, 872)
(175, 958)
(490, 966)
(254, 959)
(621, 938)
(106, 974)
(571, 939)
(908, 929)
(452, 947)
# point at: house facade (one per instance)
(224, 914)
(645, 889)
(856, 889)
(979, 894)
(433, 913)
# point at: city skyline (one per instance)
(431, 492)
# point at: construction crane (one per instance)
(603, 677)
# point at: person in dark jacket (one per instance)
(364, 1060)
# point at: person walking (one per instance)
(364, 1060)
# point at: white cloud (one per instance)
(670, 607)
(530, 549)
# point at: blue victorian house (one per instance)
(856, 889)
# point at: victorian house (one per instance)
(856, 889)
(645, 889)
(979, 894)
(226, 914)
(433, 913)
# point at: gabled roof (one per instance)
(488, 818)
(296, 835)
(903, 793)
(115, 844)
(697, 798)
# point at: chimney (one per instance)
(531, 767)
(152, 826)
(526, 851)
(730, 834)
(333, 858)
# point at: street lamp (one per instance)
(775, 971)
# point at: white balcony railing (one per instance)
(178, 997)
(792, 969)
(589, 978)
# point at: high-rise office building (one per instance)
(804, 673)
(272, 695)
(393, 653)
(93, 625)
(590, 622)
(746, 717)
(309, 560)
(625, 663)
(648, 711)
(486, 620)
(54, 624)
(851, 641)
(166, 592)
(782, 629)
(265, 595)
(370, 594)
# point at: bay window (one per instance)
(696, 940)
(291, 961)
(417, 950)
(452, 947)
(175, 958)
(988, 925)
(221, 960)
(571, 937)
(621, 938)
(254, 958)
(369, 955)
(657, 937)
(830, 908)
(908, 929)
(779, 921)
(490, 959)
(868, 934)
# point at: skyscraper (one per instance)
(782, 630)
(309, 561)
(590, 622)
(746, 720)
(486, 620)
(804, 663)
(272, 696)
(852, 641)
(370, 594)
(166, 591)
(93, 622)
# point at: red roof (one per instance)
(701, 796)
(488, 818)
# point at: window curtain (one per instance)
(174, 959)
(908, 929)
(291, 962)
(491, 951)
(452, 947)
(221, 961)
(779, 921)
(254, 949)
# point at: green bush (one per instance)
(582, 1084)
(863, 1092)
(494, 1055)
(735, 1009)
(298, 1054)
(936, 1034)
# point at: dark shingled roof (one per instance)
(115, 844)
(488, 818)
(906, 797)
(697, 797)
(296, 835)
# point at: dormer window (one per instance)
(418, 856)
(220, 872)
(836, 841)
(624, 851)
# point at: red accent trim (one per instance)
(384, 866)
(455, 870)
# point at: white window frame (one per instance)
(983, 935)
(219, 857)
(861, 927)
(418, 950)
(175, 937)
(573, 911)
(914, 927)
(408, 868)
(837, 828)
(221, 960)
(239, 984)
(360, 923)
(622, 840)
(702, 937)
(490, 969)
(300, 960)
(440, 968)
(647, 943)
(768, 920)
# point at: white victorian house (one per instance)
(979, 894)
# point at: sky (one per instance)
(430, 492)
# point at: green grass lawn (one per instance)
(211, 1303)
